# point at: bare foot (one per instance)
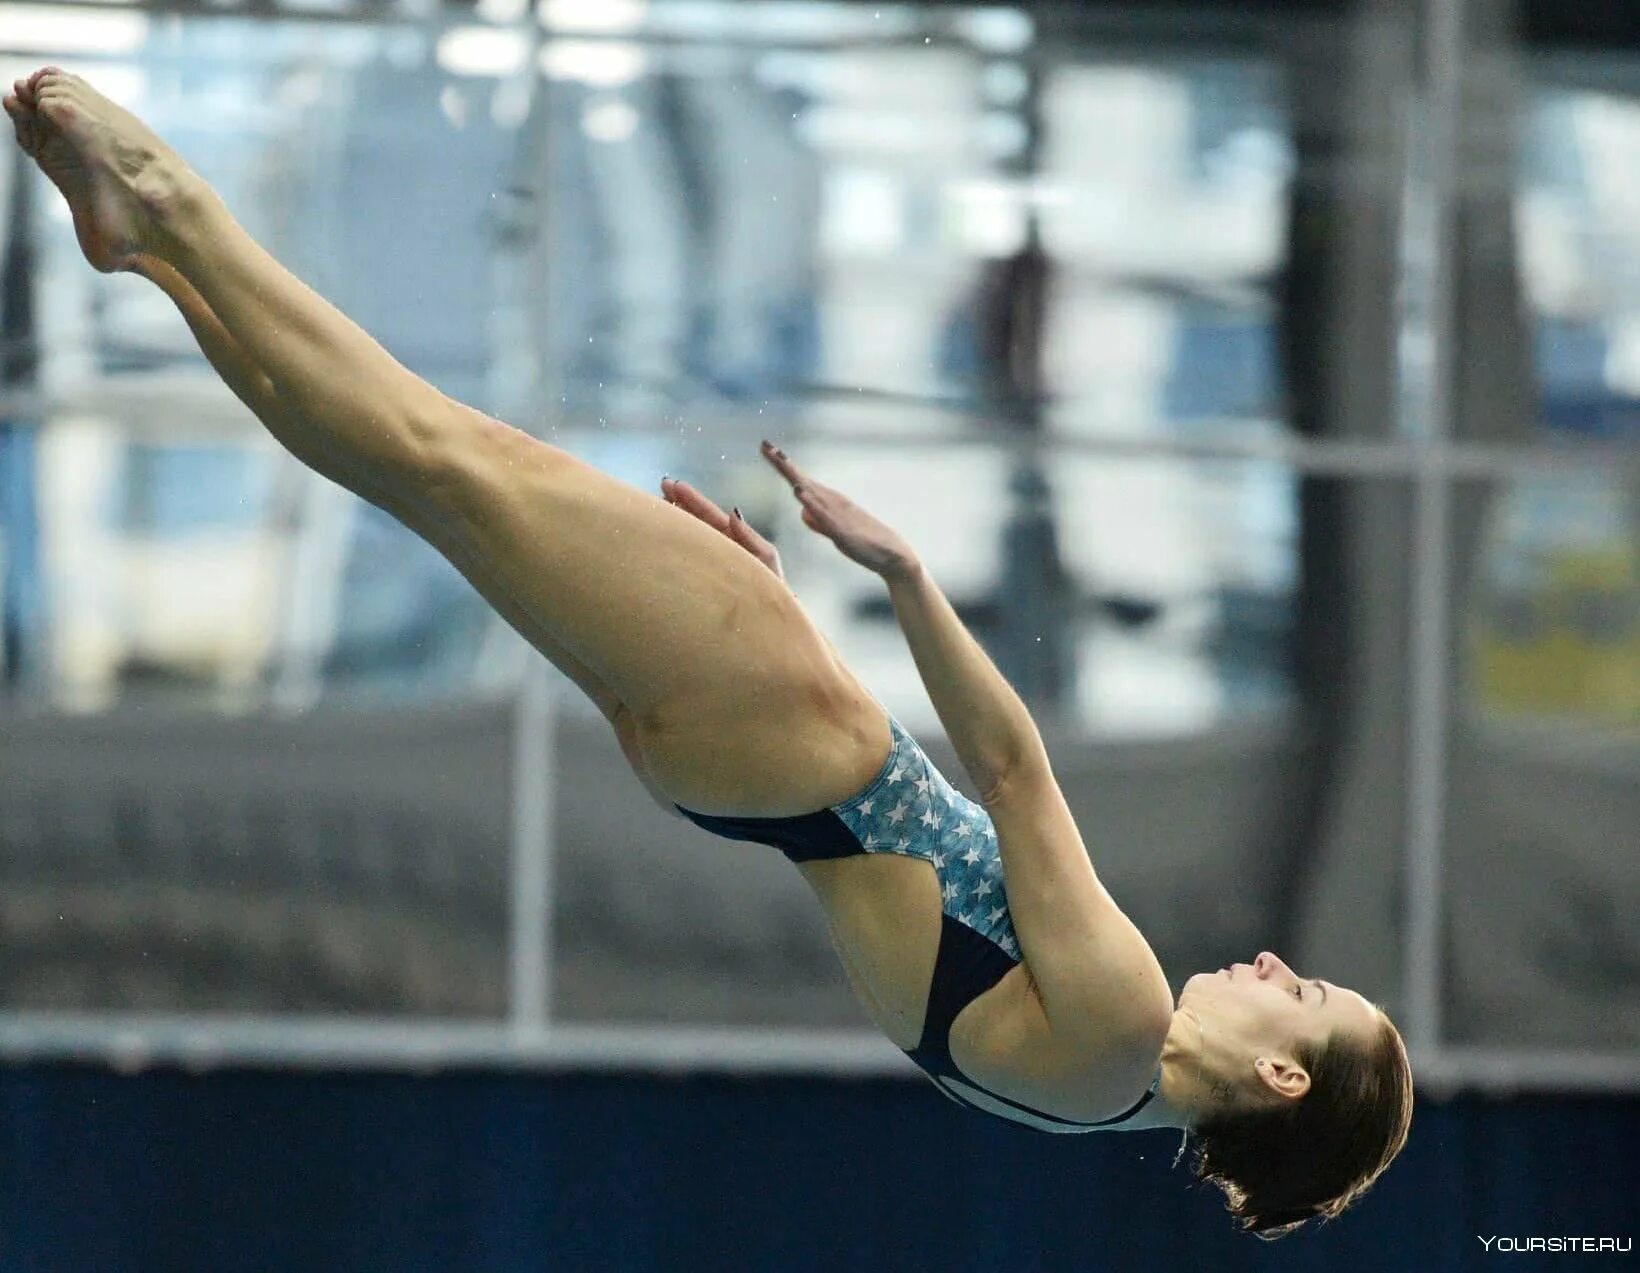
(120, 179)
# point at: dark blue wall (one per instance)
(490, 1172)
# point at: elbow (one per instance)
(1021, 767)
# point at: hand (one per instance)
(858, 535)
(686, 497)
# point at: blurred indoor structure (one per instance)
(1262, 381)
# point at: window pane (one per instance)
(1088, 240)
(167, 842)
(1579, 245)
(1544, 802)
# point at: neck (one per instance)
(1185, 1091)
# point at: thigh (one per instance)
(740, 705)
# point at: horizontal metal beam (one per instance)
(218, 417)
(1508, 1071)
(131, 1043)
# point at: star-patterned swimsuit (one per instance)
(910, 808)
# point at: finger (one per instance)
(693, 502)
(741, 530)
(686, 497)
(783, 465)
(23, 127)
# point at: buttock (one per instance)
(812, 739)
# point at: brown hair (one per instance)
(1320, 1152)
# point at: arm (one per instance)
(984, 718)
(1100, 986)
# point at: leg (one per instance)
(739, 705)
(256, 391)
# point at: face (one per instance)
(1253, 1015)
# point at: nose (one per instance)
(1267, 963)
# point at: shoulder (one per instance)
(1004, 1041)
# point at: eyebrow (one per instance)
(1316, 982)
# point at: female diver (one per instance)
(976, 935)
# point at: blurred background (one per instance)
(1261, 381)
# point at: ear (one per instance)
(1283, 1076)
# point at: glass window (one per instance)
(170, 845)
(1579, 247)
(1090, 243)
(1546, 746)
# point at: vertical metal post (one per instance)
(1430, 601)
(533, 792)
(534, 779)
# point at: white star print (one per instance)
(1008, 944)
(865, 807)
(897, 814)
(982, 888)
(965, 830)
(949, 892)
(973, 855)
(939, 861)
(921, 784)
(990, 833)
(870, 842)
(996, 914)
(903, 844)
(930, 818)
(896, 773)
